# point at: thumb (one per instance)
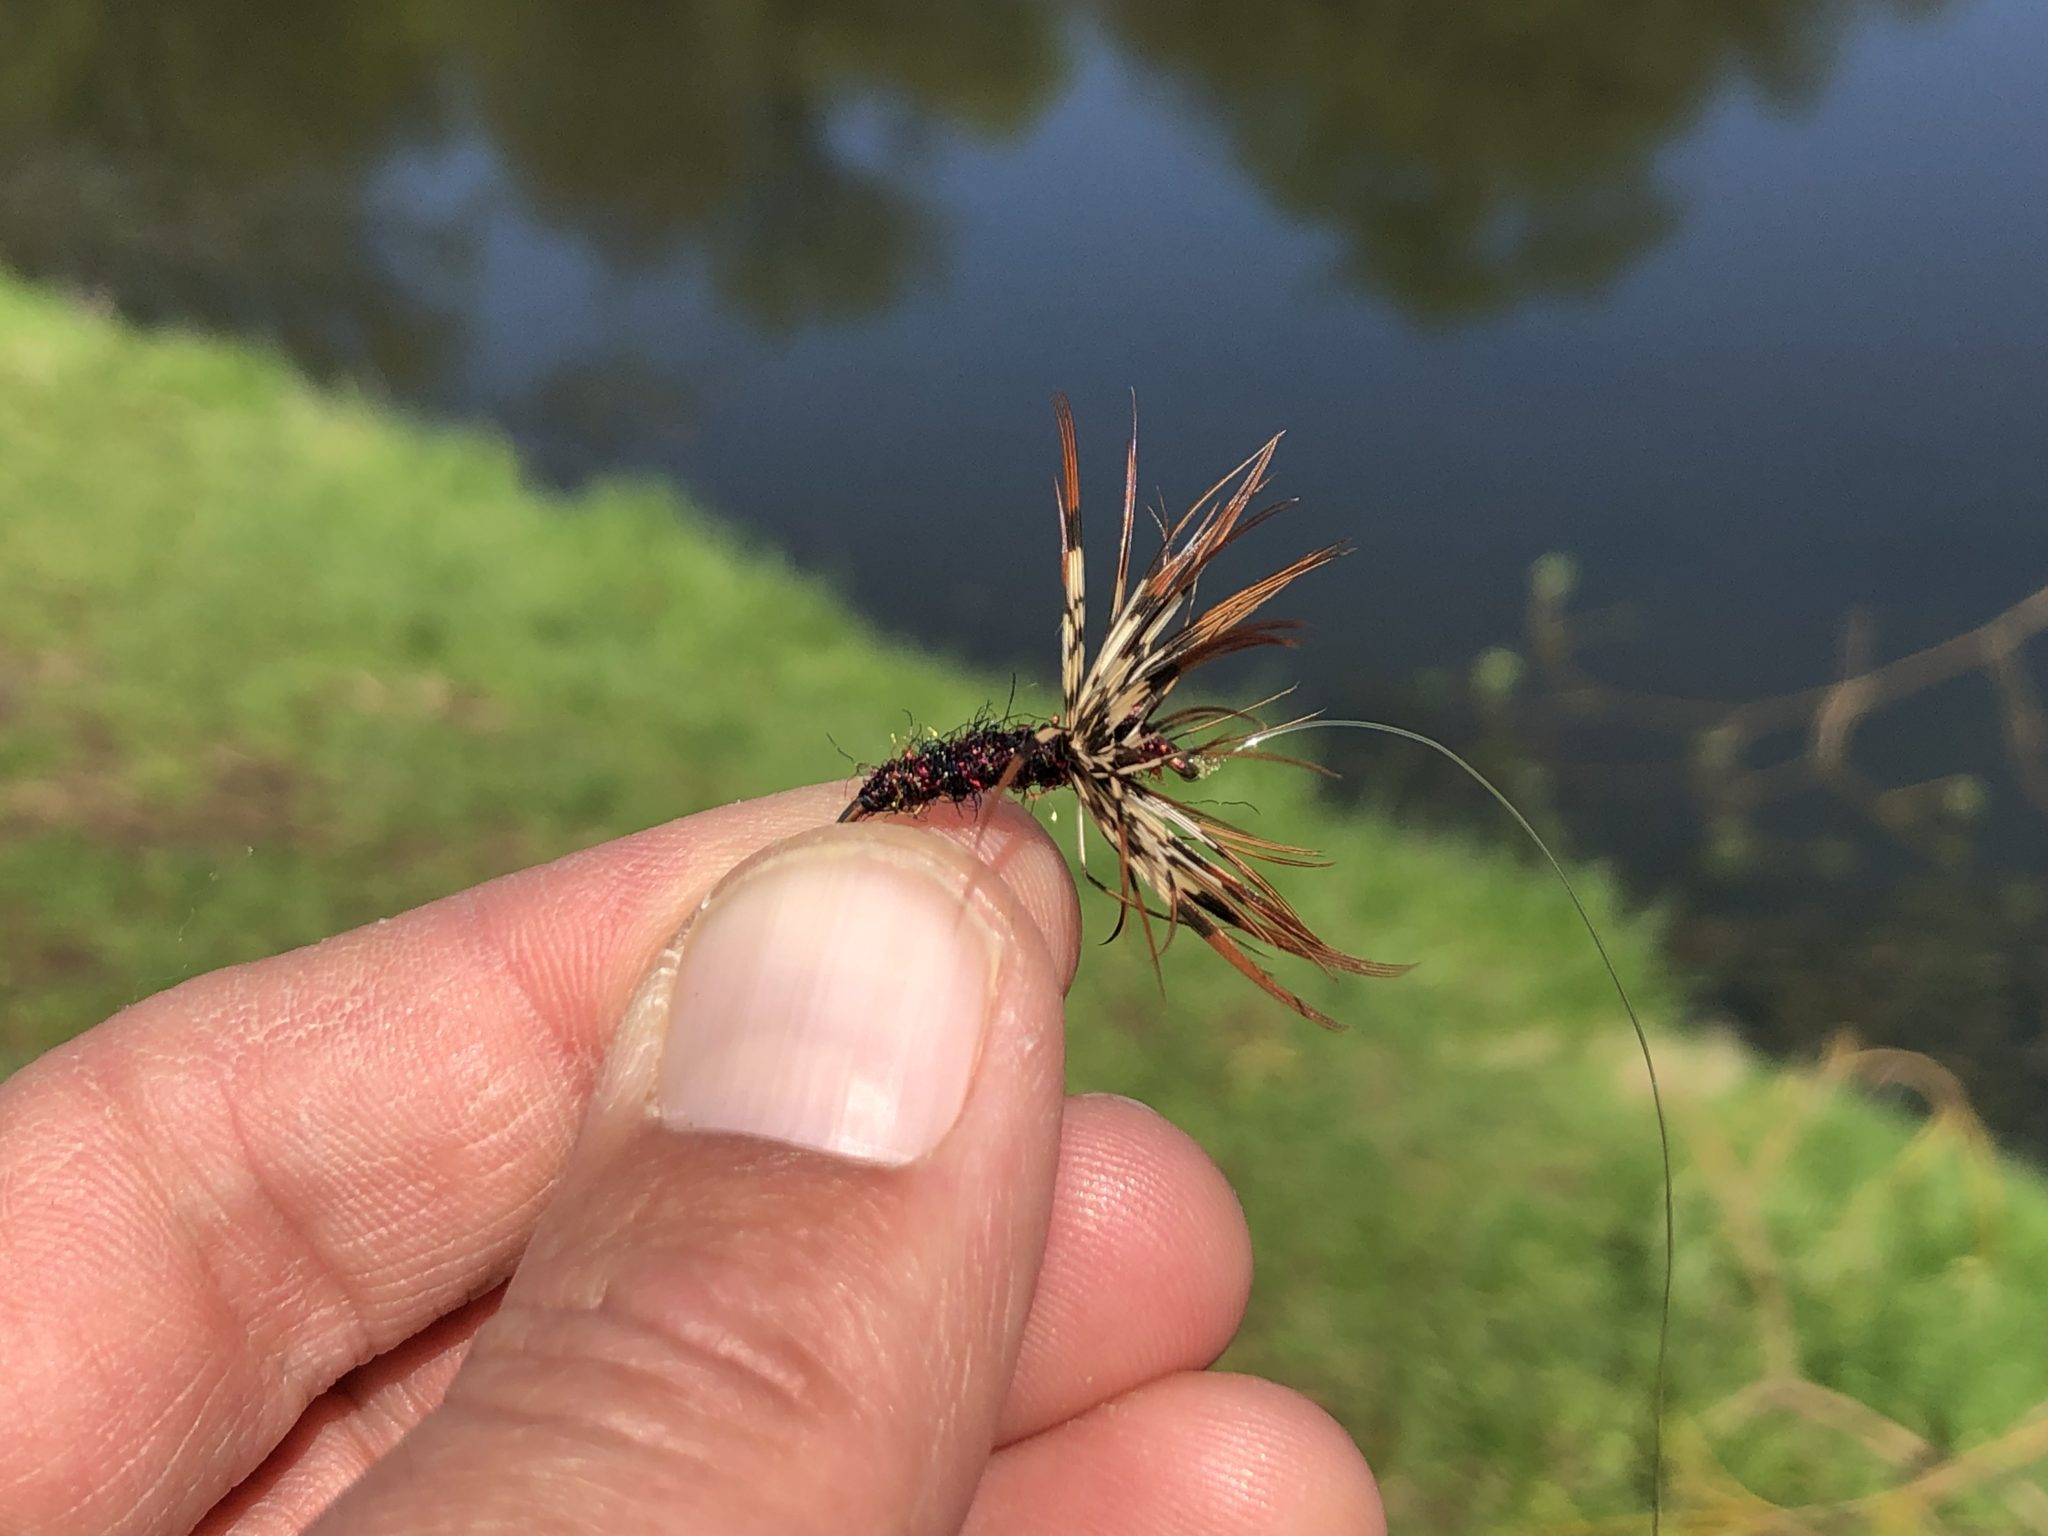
(781, 1284)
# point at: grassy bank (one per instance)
(273, 664)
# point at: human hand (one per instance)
(254, 1232)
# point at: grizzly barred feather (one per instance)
(1112, 745)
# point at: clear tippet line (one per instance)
(1258, 738)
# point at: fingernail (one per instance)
(832, 997)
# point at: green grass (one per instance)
(273, 663)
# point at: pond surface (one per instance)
(1743, 306)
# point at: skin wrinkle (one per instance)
(752, 1239)
(345, 1431)
(190, 1433)
(276, 1498)
(186, 1416)
(704, 854)
(727, 1344)
(562, 958)
(493, 937)
(256, 1206)
(33, 1410)
(518, 1126)
(222, 1211)
(122, 1453)
(362, 1412)
(691, 1461)
(454, 1276)
(590, 1431)
(162, 1214)
(109, 1120)
(614, 1413)
(795, 1364)
(479, 945)
(1116, 1138)
(350, 1331)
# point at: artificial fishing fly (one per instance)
(1111, 745)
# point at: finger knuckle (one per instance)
(692, 1361)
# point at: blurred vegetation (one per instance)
(1868, 849)
(272, 663)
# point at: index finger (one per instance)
(231, 1194)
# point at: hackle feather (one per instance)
(1201, 869)
(1112, 745)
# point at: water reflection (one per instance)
(716, 125)
(1475, 154)
(195, 157)
(195, 161)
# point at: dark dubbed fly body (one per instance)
(965, 766)
(984, 758)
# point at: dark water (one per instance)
(1745, 306)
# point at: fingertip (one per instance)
(1196, 1451)
(1305, 1470)
(1124, 1142)
(1147, 1265)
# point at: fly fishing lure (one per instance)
(1111, 745)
